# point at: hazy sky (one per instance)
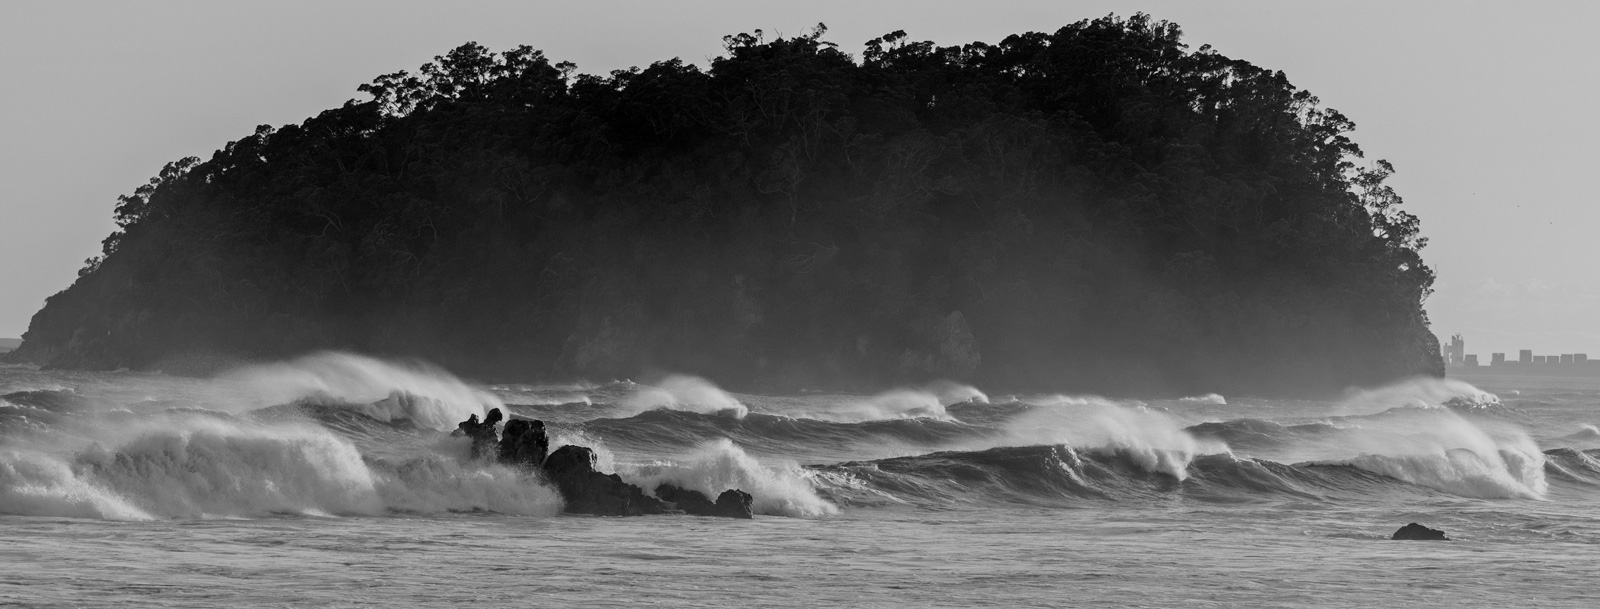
(1490, 111)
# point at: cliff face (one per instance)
(1098, 208)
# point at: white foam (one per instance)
(1093, 424)
(687, 393)
(1209, 398)
(951, 392)
(1405, 430)
(203, 465)
(432, 484)
(1442, 449)
(778, 489)
(39, 484)
(605, 460)
(896, 404)
(1418, 392)
(427, 395)
(212, 468)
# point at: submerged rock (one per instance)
(732, 503)
(523, 442)
(1416, 531)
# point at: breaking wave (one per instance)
(350, 435)
(383, 390)
(686, 393)
(778, 489)
(209, 466)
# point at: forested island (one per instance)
(1100, 208)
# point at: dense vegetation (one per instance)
(1098, 208)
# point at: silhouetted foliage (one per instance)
(1097, 208)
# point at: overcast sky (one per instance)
(1488, 110)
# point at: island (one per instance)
(1098, 208)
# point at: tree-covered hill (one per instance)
(1099, 208)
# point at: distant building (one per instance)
(1555, 365)
(1455, 351)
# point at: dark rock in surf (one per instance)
(587, 491)
(689, 501)
(1416, 531)
(485, 439)
(523, 442)
(732, 503)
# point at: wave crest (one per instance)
(680, 392)
(718, 465)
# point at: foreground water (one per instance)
(332, 481)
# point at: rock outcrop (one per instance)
(732, 503)
(525, 444)
(587, 491)
(1416, 531)
(485, 438)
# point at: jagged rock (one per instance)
(572, 469)
(1416, 531)
(587, 491)
(523, 442)
(485, 439)
(734, 503)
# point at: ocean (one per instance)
(333, 480)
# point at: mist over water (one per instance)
(1155, 441)
(687, 393)
(384, 390)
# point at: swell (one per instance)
(1063, 476)
(1572, 469)
(323, 455)
(182, 463)
(795, 438)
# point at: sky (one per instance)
(1486, 109)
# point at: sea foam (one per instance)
(778, 489)
(682, 392)
(1151, 438)
(385, 390)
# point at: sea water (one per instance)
(333, 481)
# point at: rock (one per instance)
(587, 491)
(485, 440)
(572, 469)
(732, 503)
(523, 442)
(690, 502)
(1416, 531)
(465, 428)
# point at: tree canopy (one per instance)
(1096, 208)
